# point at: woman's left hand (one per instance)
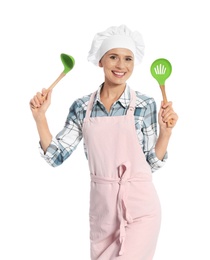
(166, 115)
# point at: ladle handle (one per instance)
(53, 84)
(162, 87)
(56, 81)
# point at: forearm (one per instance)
(44, 132)
(162, 143)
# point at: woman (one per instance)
(119, 129)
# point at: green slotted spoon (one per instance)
(161, 69)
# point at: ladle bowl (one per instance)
(68, 62)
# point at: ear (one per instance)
(100, 64)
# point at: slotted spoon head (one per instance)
(161, 70)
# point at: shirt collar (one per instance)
(124, 99)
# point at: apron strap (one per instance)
(90, 105)
(132, 105)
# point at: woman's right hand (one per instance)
(40, 103)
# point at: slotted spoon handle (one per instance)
(163, 91)
(162, 88)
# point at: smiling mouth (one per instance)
(118, 74)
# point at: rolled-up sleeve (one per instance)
(149, 131)
(66, 141)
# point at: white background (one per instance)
(44, 210)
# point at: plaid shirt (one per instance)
(69, 137)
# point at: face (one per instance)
(118, 65)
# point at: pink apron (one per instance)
(124, 207)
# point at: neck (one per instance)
(112, 92)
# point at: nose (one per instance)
(120, 63)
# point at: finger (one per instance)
(167, 109)
(171, 118)
(39, 98)
(167, 115)
(165, 105)
(44, 92)
(34, 103)
(48, 97)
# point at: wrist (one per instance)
(40, 118)
(165, 132)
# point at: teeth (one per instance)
(119, 73)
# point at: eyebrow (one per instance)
(130, 56)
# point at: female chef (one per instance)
(119, 129)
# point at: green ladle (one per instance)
(68, 63)
(161, 69)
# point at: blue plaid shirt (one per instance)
(69, 137)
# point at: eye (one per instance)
(113, 57)
(128, 58)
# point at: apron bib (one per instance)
(124, 206)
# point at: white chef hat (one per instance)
(116, 37)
